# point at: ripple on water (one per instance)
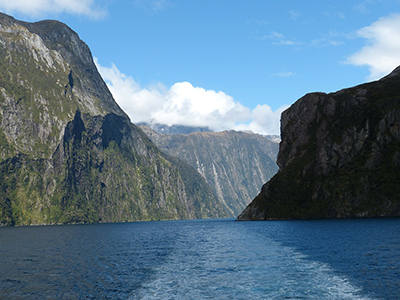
(204, 259)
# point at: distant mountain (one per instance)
(183, 129)
(68, 153)
(234, 164)
(174, 129)
(339, 156)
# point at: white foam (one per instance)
(231, 265)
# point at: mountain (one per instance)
(183, 129)
(173, 129)
(68, 153)
(339, 156)
(234, 164)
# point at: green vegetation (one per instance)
(68, 154)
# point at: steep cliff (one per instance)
(68, 153)
(234, 164)
(339, 156)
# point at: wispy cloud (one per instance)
(285, 74)
(381, 54)
(337, 14)
(185, 104)
(46, 7)
(341, 15)
(276, 35)
(276, 38)
(363, 7)
(258, 22)
(153, 6)
(323, 42)
(294, 15)
(287, 42)
(333, 38)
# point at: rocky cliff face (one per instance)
(339, 156)
(68, 153)
(234, 164)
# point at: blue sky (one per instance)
(227, 64)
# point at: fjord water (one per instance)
(203, 259)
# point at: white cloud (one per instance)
(263, 120)
(382, 54)
(40, 8)
(184, 104)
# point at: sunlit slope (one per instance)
(68, 153)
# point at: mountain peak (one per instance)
(395, 72)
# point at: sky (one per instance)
(226, 64)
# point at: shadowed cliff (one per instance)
(339, 156)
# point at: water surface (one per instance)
(203, 259)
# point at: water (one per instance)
(203, 259)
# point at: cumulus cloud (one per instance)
(40, 8)
(185, 104)
(263, 120)
(382, 53)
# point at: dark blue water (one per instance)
(203, 259)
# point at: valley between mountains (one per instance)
(69, 154)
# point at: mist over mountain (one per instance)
(173, 129)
